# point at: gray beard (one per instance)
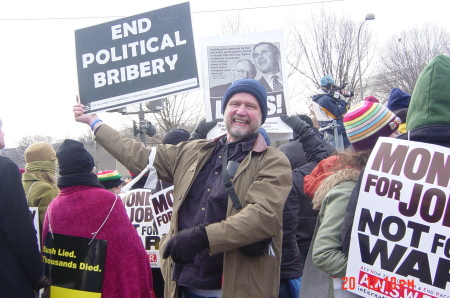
(239, 135)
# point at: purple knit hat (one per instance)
(367, 121)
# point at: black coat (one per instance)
(296, 155)
(307, 216)
(20, 261)
(296, 205)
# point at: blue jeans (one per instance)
(329, 138)
(185, 294)
(290, 288)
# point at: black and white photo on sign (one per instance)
(258, 56)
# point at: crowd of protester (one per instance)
(248, 219)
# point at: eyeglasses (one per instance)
(241, 72)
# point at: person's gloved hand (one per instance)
(202, 129)
(42, 282)
(297, 124)
(186, 244)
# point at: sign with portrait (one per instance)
(138, 58)
(400, 238)
(259, 56)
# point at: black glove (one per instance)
(202, 129)
(297, 124)
(256, 249)
(42, 282)
(186, 244)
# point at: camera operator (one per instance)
(330, 104)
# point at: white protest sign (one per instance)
(34, 212)
(400, 241)
(256, 56)
(151, 215)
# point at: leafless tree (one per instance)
(103, 160)
(234, 24)
(17, 154)
(180, 111)
(405, 55)
(324, 44)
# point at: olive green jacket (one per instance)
(262, 183)
(39, 194)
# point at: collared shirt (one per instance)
(269, 79)
(206, 203)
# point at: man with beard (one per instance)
(267, 60)
(217, 247)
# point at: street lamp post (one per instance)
(369, 16)
(144, 127)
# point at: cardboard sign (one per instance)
(135, 59)
(400, 237)
(151, 215)
(256, 56)
(34, 212)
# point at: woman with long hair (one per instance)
(332, 181)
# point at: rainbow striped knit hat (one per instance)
(367, 121)
(109, 179)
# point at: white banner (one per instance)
(400, 244)
(34, 212)
(151, 215)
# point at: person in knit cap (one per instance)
(175, 136)
(215, 248)
(398, 103)
(111, 180)
(427, 121)
(82, 207)
(21, 267)
(331, 183)
(367, 121)
(39, 179)
(397, 100)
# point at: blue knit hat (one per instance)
(326, 80)
(249, 86)
(398, 99)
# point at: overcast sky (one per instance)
(38, 77)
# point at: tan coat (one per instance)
(39, 194)
(262, 183)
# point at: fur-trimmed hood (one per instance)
(348, 174)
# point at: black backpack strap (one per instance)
(227, 181)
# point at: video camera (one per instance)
(335, 94)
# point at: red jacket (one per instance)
(79, 211)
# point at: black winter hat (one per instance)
(252, 87)
(73, 158)
(176, 136)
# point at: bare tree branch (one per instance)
(406, 54)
